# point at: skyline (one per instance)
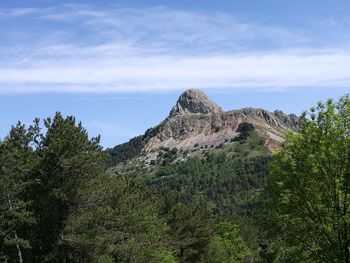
(82, 57)
(120, 117)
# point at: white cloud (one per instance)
(279, 70)
(162, 49)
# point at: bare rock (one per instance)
(194, 101)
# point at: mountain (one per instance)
(194, 101)
(195, 122)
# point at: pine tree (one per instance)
(117, 221)
(68, 160)
(16, 216)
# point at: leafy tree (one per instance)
(308, 193)
(226, 245)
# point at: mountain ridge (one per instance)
(196, 122)
(202, 122)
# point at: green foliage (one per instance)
(226, 246)
(125, 151)
(40, 177)
(67, 160)
(244, 129)
(165, 257)
(308, 193)
(128, 228)
(223, 180)
(16, 215)
(191, 229)
(58, 204)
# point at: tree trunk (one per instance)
(14, 231)
(346, 248)
(18, 249)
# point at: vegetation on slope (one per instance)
(223, 179)
(126, 151)
(58, 203)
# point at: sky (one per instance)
(119, 66)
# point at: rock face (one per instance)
(197, 124)
(195, 121)
(194, 101)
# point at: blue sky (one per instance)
(119, 66)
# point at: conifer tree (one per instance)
(16, 216)
(68, 160)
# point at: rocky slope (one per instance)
(195, 122)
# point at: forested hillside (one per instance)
(223, 179)
(61, 200)
(59, 203)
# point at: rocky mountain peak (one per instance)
(194, 101)
(196, 123)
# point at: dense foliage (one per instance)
(308, 194)
(223, 180)
(59, 204)
(244, 129)
(17, 160)
(40, 179)
(125, 151)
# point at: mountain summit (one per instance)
(196, 120)
(194, 101)
(196, 123)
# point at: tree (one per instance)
(191, 229)
(226, 245)
(68, 160)
(308, 191)
(16, 216)
(117, 221)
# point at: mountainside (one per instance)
(196, 122)
(205, 156)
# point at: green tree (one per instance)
(226, 245)
(308, 193)
(117, 221)
(68, 159)
(16, 216)
(191, 228)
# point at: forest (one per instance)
(61, 201)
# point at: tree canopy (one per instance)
(59, 203)
(308, 191)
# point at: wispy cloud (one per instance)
(278, 70)
(84, 50)
(17, 12)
